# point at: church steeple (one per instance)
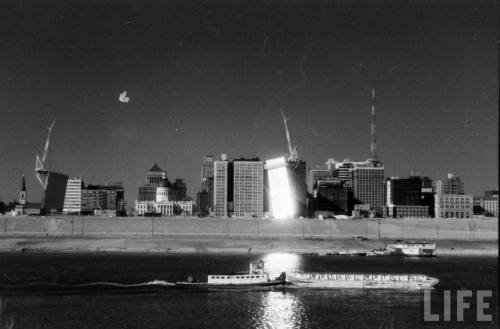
(22, 193)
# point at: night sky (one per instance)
(209, 77)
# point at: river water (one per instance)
(102, 290)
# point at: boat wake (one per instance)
(94, 284)
(124, 285)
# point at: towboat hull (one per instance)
(245, 286)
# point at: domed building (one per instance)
(158, 197)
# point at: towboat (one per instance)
(412, 248)
(359, 280)
(257, 276)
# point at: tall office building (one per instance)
(73, 196)
(367, 183)
(207, 178)
(88, 199)
(104, 197)
(332, 196)
(427, 197)
(220, 187)
(404, 197)
(179, 190)
(342, 171)
(53, 198)
(297, 178)
(404, 191)
(202, 205)
(248, 188)
(450, 185)
(318, 174)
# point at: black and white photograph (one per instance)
(248, 164)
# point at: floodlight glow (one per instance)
(279, 262)
(280, 194)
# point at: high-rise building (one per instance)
(367, 183)
(450, 185)
(202, 204)
(332, 196)
(91, 198)
(427, 197)
(53, 198)
(179, 190)
(342, 171)
(220, 187)
(281, 203)
(318, 174)
(207, 178)
(404, 197)
(248, 188)
(73, 196)
(297, 178)
(404, 191)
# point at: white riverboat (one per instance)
(353, 280)
(257, 276)
(413, 248)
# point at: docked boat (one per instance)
(359, 280)
(413, 248)
(257, 276)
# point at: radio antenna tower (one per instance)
(373, 146)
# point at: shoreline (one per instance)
(223, 245)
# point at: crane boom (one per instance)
(292, 151)
(47, 142)
(42, 174)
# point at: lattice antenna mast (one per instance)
(292, 151)
(373, 146)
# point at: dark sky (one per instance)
(207, 77)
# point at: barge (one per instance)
(358, 280)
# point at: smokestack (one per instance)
(373, 148)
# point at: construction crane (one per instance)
(42, 174)
(292, 151)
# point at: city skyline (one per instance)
(212, 78)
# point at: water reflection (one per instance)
(7, 323)
(282, 310)
(276, 263)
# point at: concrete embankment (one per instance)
(179, 234)
(190, 244)
(475, 229)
